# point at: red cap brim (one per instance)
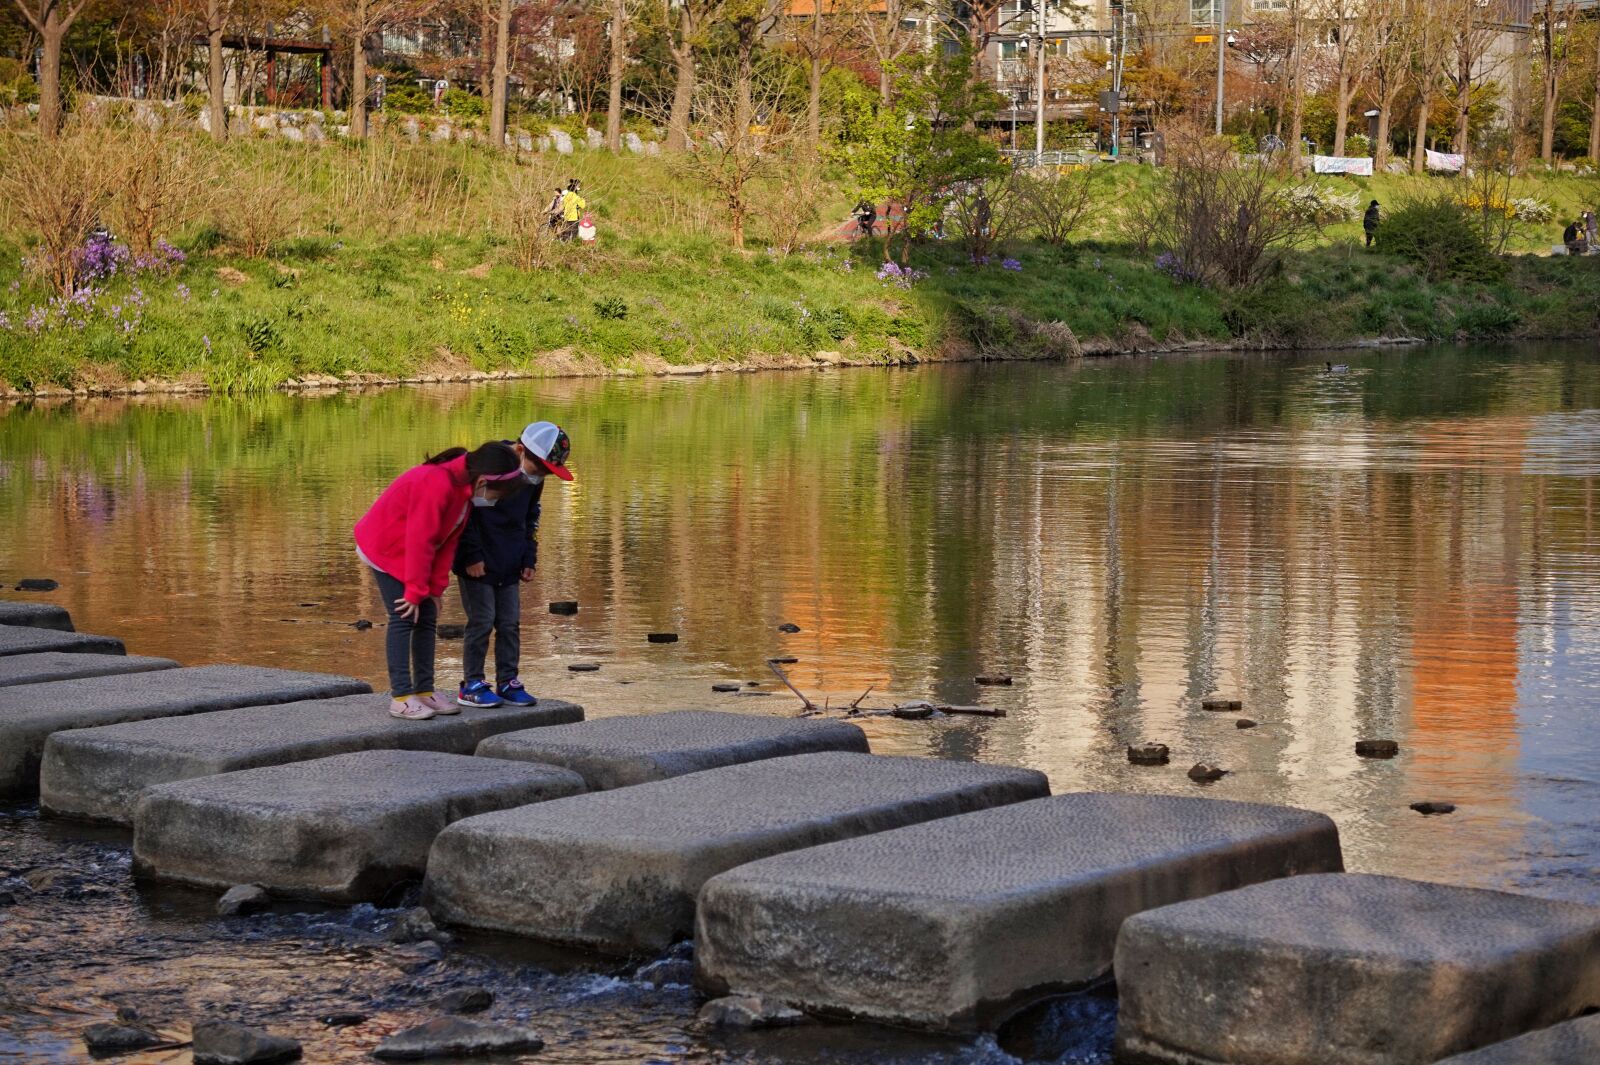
(560, 471)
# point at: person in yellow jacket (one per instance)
(572, 206)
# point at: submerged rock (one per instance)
(726, 687)
(224, 1043)
(1149, 754)
(584, 667)
(343, 1019)
(789, 627)
(415, 926)
(119, 1038)
(1221, 704)
(666, 971)
(748, 1011)
(452, 632)
(1377, 748)
(362, 625)
(993, 679)
(1434, 807)
(662, 637)
(1245, 722)
(564, 607)
(455, 1037)
(1205, 772)
(37, 584)
(466, 1000)
(242, 900)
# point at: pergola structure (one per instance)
(275, 46)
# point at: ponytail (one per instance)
(445, 456)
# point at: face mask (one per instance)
(533, 478)
(481, 499)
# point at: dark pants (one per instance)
(491, 609)
(408, 644)
(1372, 235)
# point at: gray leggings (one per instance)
(409, 644)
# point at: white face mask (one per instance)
(480, 498)
(533, 478)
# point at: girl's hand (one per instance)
(527, 574)
(406, 610)
(477, 569)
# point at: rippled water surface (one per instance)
(1405, 550)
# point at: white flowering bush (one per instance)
(1322, 205)
(1531, 209)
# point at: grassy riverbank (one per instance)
(389, 262)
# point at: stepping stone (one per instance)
(97, 773)
(1571, 1043)
(341, 829)
(616, 752)
(43, 666)
(35, 615)
(31, 713)
(24, 639)
(619, 870)
(954, 924)
(1349, 970)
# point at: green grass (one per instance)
(392, 290)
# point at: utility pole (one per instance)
(1222, 44)
(1119, 36)
(1038, 95)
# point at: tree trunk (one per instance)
(358, 75)
(1419, 157)
(1552, 86)
(219, 112)
(1297, 95)
(682, 90)
(814, 80)
(1380, 148)
(1463, 101)
(500, 76)
(1341, 121)
(619, 57)
(744, 78)
(1594, 115)
(50, 73)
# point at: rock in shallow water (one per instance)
(1434, 807)
(223, 1043)
(241, 900)
(343, 1019)
(1377, 748)
(1149, 754)
(666, 971)
(1205, 773)
(119, 1038)
(466, 1000)
(414, 926)
(454, 1037)
(748, 1011)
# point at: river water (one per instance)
(1406, 549)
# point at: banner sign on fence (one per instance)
(1444, 161)
(1361, 166)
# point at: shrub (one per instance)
(459, 103)
(611, 308)
(1531, 209)
(1440, 235)
(1056, 204)
(58, 188)
(406, 98)
(1321, 205)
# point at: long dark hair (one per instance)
(490, 460)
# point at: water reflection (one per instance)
(1406, 550)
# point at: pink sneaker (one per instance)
(440, 706)
(410, 709)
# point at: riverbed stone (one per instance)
(343, 829)
(617, 752)
(242, 900)
(450, 1037)
(224, 1043)
(35, 615)
(619, 870)
(31, 713)
(1575, 1042)
(29, 639)
(119, 1038)
(1349, 970)
(952, 924)
(43, 666)
(98, 773)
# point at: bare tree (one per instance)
(50, 19)
(1594, 114)
(500, 76)
(1391, 29)
(1555, 53)
(1472, 30)
(1354, 47)
(217, 14)
(617, 34)
(687, 19)
(1431, 40)
(368, 18)
(885, 32)
(819, 38)
(1055, 205)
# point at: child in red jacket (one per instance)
(409, 539)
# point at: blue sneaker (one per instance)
(514, 693)
(478, 693)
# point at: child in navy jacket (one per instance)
(498, 552)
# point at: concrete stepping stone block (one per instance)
(31, 713)
(35, 615)
(340, 829)
(1349, 970)
(1569, 1043)
(953, 924)
(43, 666)
(619, 870)
(26, 639)
(617, 752)
(98, 773)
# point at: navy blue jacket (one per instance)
(503, 537)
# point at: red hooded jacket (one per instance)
(411, 531)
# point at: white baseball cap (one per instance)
(549, 445)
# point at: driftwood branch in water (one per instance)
(811, 707)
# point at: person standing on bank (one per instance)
(408, 539)
(496, 556)
(1369, 222)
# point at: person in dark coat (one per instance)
(497, 554)
(1369, 222)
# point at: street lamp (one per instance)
(1222, 43)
